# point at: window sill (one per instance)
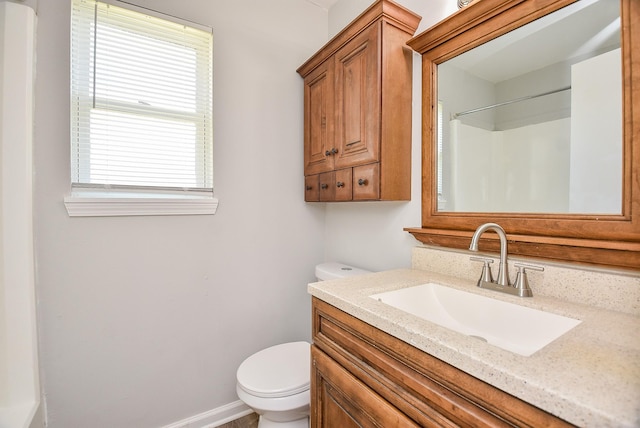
(138, 205)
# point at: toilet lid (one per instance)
(278, 371)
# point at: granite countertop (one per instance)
(590, 376)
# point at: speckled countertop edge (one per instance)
(590, 376)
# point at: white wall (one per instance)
(370, 235)
(143, 321)
(19, 384)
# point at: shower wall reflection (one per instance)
(536, 132)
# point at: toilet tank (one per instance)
(335, 270)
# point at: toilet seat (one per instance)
(279, 371)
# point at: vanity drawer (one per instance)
(426, 389)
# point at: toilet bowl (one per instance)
(275, 382)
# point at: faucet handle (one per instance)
(485, 276)
(522, 283)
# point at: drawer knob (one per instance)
(324, 186)
(340, 184)
(362, 182)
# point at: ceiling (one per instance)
(588, 26)
(325, 4)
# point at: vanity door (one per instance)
(343, 401)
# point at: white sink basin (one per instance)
(509, 326)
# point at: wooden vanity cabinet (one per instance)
(357, 108)
(363, 377)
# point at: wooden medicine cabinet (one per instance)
(357, 109)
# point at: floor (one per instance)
(249, 421)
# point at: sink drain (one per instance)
(479, 338)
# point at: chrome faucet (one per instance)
(503, 274)
(521, 286)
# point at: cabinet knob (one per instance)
(331, 152)
(340, 184)
(324, 186)
(309, 187)
(362, 182)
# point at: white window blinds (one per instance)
(141, 100)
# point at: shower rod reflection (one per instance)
(517, 100)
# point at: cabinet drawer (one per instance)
(312, 188)
(344, 184)
(366, 182)
(327, 185)
(429, 391)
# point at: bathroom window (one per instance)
(141, 105)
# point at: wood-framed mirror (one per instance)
(610, 237)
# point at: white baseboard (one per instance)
(215, 417)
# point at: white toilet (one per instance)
(274, 382)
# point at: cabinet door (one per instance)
(366, 182)
(338, 399)
(319, 150)
(358, 98)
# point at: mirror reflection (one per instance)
(532, 121)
